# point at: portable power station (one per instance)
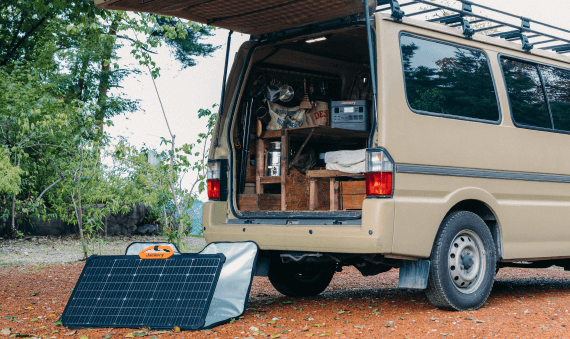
(350, 114)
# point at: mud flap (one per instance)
(414, 274)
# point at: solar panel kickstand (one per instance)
(397, 13)
(458, 18)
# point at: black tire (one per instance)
(294, 280)
(463, 240)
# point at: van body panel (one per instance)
(417, 210)
(532, 215)
(373, 235)
(250, 17)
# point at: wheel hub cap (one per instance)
(466, 261)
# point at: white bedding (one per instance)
(346, 161)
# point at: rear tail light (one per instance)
(216, 178)
(214, 189)
(379, 173)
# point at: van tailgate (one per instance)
(251, 17)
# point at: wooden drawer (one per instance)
(352, 194)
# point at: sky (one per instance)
(184, 92)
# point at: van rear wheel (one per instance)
(295, 280)
(463, 262)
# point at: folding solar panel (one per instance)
(127, 291)
(232, 291)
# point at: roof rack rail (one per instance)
(465, 16)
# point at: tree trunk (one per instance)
(172, 189)
(104, 83)
(14, 229)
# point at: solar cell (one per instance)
(126, 291)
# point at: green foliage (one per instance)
(163, 176)
(9, 175)
(186, 46)
(60, 83)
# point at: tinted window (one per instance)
(448, 79)
(557, 83)
(528, 103)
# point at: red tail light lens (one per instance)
(379, 173)
(214, 189)
(378, 183)
(213, 176)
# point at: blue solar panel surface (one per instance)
(126, 291)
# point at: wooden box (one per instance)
(352, 194)
(259, 202)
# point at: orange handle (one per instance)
(160, 255)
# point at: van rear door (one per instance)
(253, 17)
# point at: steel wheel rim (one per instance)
(467, 264)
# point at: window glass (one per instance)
(557, 83)
(528, 103)
(448, 79)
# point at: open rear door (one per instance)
(251, 17)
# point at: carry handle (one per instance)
(167, 254)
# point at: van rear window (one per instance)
(448, 79)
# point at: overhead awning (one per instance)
(251, 17)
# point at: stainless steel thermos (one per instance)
(274, 159)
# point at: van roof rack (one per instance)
(465, 16)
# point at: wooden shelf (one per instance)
(320, 134)
(317, 134)
(270, 180)
(332, 174)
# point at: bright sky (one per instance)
(184, 92)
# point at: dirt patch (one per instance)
(60, 250)
(525, 303)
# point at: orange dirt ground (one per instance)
(525, 303)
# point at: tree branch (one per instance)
(17, 30)
(50, 186)
(133, 40)
(28, 33)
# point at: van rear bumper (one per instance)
(372, 235)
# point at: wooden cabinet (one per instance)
(296, 187)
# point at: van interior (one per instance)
(302, 99)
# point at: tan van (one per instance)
(445, 159)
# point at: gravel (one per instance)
(525, 303)
(62, 250)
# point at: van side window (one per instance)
(557, 84)
(526, 95)
(448, 79)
